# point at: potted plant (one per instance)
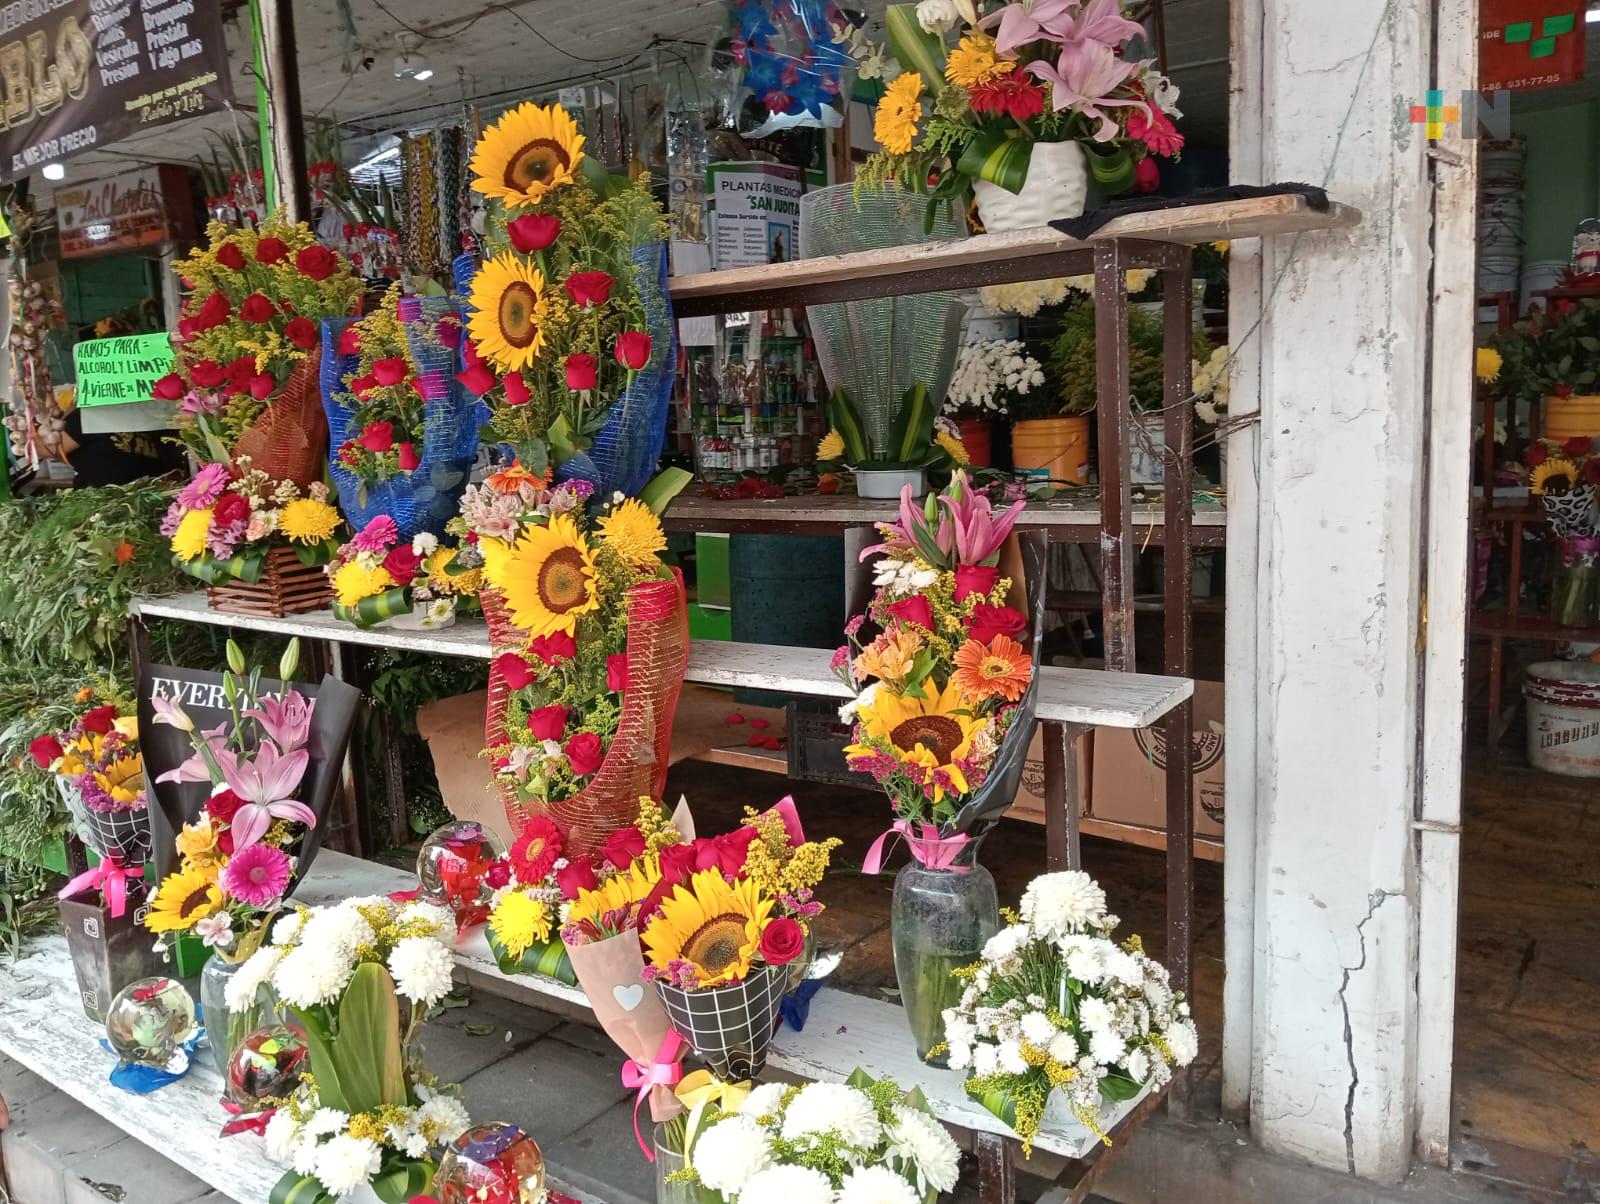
(1556, 356)
(1030, 102)
(990, 376)
(914, 446)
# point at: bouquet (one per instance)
(863, 1141)
(990, 373)
(101, 774)
(368, 1114)
(1563, 475)
(226, 521)
(381, 579)
(591, 640)
(1056, 1004)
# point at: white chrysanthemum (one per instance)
(345, 1163)
(303, 1157)
(1124, 967)
(1038, 1029)
(985, 1059)
(765, 1100)
(960, 1056)
(440, 919)
(240, 991)
(288, 928)
(1064, 1048)
(1084, 963)
(312, 973)
(924, 1141)
(730, 1152)
(1005, 943)
(790, 1184)
(443, 1118)
(937, 16)
(326, 1121)
(423, 969)
(282, 1135)
(833, 1108)
(877, 1185)
(1107, 1047)
(957, 1028)
(340, 929)
(1057, 905)
(1183, 1041)
(1095, 1015)
(1137, 1065)
(1011, 1059)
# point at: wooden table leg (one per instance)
(1063, 796)
(997, 1179)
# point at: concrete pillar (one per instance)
(1322, 878)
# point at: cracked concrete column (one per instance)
(1322, 941)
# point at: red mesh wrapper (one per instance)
(290, 440)
(636, 762)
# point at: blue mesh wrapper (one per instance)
(425, 498)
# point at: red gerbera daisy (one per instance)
(1008, 96)
(537, 850)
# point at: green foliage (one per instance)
(1547, 351)
(1071, 363)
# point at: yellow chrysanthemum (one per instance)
(463, 583)
(933, 733)
(609, 906)
(353, 581)
(509, 304)
(531, 150)
(520, 921)
(548, 578)
(307, 520)
(189, 540)
(974, 62)
(183, 899)
(197, 842)
(831, 447)
(953, 447)
(895, 125)
(1554, 477)
(634, 531)
(1488, 364)
(714, 926)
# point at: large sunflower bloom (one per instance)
(531, 150)
(1000, 669)
(610, 907)
(933, 733)
(547, 577)
(711, 925)
(1554, 477)
(183, 899)
(895, 125)
(509, 303)
(633, 529)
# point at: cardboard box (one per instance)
(453, 728)
(108, 952)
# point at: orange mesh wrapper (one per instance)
(636, 762)
(289, 441)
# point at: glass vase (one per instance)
(1577, 584)
(940, 919)
(224, 1029)
(669, 1162)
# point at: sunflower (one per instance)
(531, 150)
(609, 907)
(634, 531)
(508, 308)
(831, 447)
(189, 540)
(519, 922)
(953, 447)
(307, 520)
(933, 733)
(123, 779)
(183, 898)
(547, 577)
(895, 126)
(1000, 669)
(353, 581)
(974, 62)
(711, 925)
(1554, 477)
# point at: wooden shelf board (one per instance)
(1539, 628)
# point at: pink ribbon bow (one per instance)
(664, 1071)
(110, 877)
(927, 846)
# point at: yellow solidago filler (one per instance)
(895, 125)
(306, 520)
(189, 540)
(353, 581)
(974, 62)
(519, 922)
(655, 826)
(831, 447)
(634, 532)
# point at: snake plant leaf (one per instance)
(995, 156)
(913, 47)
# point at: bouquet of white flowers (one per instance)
(987, 374)
(1056, 1003)
(863, 1141)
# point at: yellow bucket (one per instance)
(1052, 448)
(1575, 416)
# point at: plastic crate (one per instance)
(816, 745)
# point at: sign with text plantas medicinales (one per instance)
(77, 75)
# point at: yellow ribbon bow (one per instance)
(697, 1092)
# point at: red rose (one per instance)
(578, 874)
(257, 308)
(1146, 175)
(1577, 446)
(230, 256)
(390, 371)
(222, 806)
(377, 436)
(270, 250)
(989, 621)
(617, 672)
(350, 340)
(99, 720)
(207, 374)
(678, 861)
(1591, 471)
(362, 386)
(316, 261)
(44, 750)
(554, 648)
(402, 563)
(240, 370)
(622, 846)
(408, 457)
(514, 670)
(585, 753)
(186, 329)
(782, 941)
(477, 379)
(533, 232)
(213, 311)
(589, 288)
(450, 332)
(1561, 390)
(261, 385)
(975, 579)
(230, 508)
(633, 350)
(732, 848)
(1536, 455)
(169, 388)
(469, 353)
(915, 609)
(498, 875)
(581, 372)
(516, 389)
(548, 723)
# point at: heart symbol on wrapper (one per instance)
(628, 997)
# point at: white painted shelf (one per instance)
(1084, 696)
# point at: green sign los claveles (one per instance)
(121, 370)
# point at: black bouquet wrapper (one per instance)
(730, 1028)
(108, 952)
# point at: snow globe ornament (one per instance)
(452, 867)
(149, 1023)
(268, 1064)
(491, 1164)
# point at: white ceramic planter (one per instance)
(888, 482)
(417, 620)
(1057, 187)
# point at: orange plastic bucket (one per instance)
(1570, 417)
(1052, 448)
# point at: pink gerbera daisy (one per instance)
(256, 874)
(379, 535)
(206, 487)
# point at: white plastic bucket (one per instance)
(1564, 717)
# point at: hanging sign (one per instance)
(126, 211)
(1524, 44)
(757, 213)
(117, 371)
(76, 75)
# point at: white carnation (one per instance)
(788, 1184)
(312, 973)
(985, 1059)
(877, 1185)
(1038, 1029)
(249, 978)
(765, 1100)
(833, 1108)
(423, 969)
(937, 16)
(345, 1163)
(1064, 1048)
(281, 1136)
(1183, 1041)
(730, 1152)
(916, 1136)
(1058, 905)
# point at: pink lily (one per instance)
(1101, 21)
(1084, 78)
(265, 785)
(1026, 22)
(212, 755)
(978, 533)
(285, 720)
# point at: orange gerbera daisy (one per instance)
(509, 480)
(1000, 669)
